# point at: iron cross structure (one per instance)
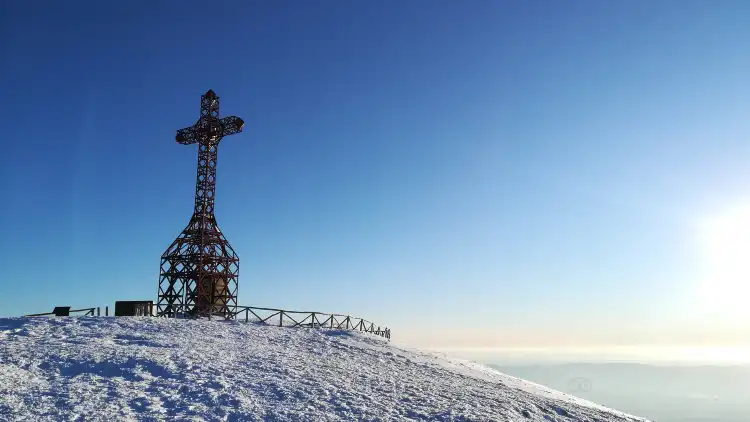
(200, 270)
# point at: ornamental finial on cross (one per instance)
(209, 129)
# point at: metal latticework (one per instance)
(200, 270)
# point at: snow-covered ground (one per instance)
(90, 369)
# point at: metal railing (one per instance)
(266, 316)
(286, 318)
(84, 311)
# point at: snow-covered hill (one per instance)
(91, 369)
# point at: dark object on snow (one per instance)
(66, 311)
(61, 311)
(133, 307)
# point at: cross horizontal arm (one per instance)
(231, 125)
(187, 136)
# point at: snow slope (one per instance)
(89, 368)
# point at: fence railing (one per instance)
(286, 318)
(83, 311)
(266, 316)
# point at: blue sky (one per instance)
(474, 174)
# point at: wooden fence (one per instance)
(285, 318)
(83, 311)
(270, 316)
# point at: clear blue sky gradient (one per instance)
(517, 166)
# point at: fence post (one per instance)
(106, 310)
(246, 315)
(98, 311)
(281, 318)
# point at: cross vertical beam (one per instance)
(199, 271)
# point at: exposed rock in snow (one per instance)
(91, 369)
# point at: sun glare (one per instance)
(725, 249)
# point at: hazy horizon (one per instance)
(663, 393)
(673, 355)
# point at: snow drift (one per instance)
(90, 368)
